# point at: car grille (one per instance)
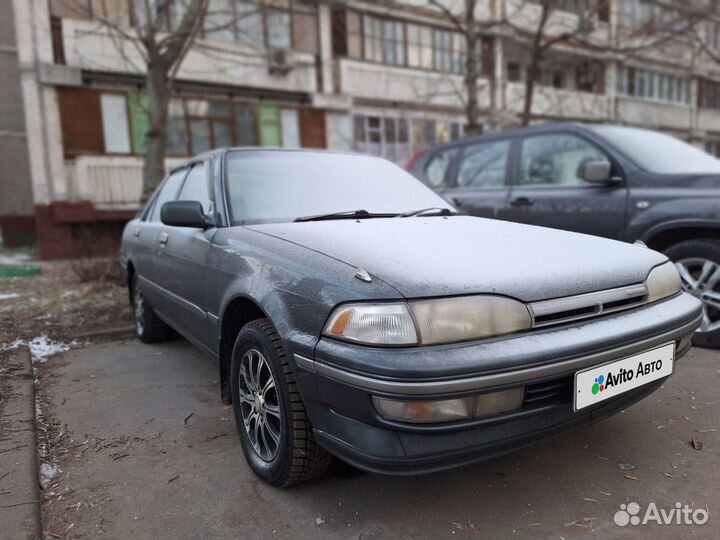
(552, 392)
(584, 306)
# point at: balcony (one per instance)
(110, 183)
(557, 103)
(371, 81)
(654, 114)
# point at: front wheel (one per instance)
(698, 262)
(275, 433)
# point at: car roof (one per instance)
(520, 131)
(218, 152)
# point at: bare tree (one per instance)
(472, 30)
(153, 37)
(163, 54)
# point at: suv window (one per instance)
(167, 192)
(437, 168)
(195, 187)
(556, 160)
(484, 165)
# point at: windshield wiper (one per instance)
(350, 214)
(432, 211)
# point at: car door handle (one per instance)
(522, 201)
(136, 234)
(163, 238)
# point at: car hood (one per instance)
(436, 256)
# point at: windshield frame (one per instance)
(224, 183)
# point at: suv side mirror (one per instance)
(184, 214)
(597, 172)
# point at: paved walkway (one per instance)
(155, 455)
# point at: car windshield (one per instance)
(273, 186)
(659, 153)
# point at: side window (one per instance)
(484, 165)
(195, 187)
(556, 160)
(437, 168)
(167, 193)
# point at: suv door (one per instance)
(478, 183)
(548, 188)
(182, 262)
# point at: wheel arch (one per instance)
(663, 236)
(238, 311)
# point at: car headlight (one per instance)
(662, 281)
(428, 322)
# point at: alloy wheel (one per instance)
(701, 278)
(259, 404)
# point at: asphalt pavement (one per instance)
(151, 453)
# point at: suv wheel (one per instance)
(698, 262)
(275, 433)
(149, 328)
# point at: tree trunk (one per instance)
(532, 76)
(472, 108)
(158, 94)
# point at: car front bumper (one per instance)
(338, 385)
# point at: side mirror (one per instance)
(184, 214)
(597, 172)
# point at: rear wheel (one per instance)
(698, 262)
(149, 328)
(275, 433)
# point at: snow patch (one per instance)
(41, 348)
(48, 472)
(8, 296)
(12, 259)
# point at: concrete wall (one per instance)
(16, 196)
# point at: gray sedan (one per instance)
(354, 313)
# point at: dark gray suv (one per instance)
(353, 313)
(617, 182)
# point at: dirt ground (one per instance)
(59, 305)
(147, 451)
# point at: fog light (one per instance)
(499, 402)
(450, 410)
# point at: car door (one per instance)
(478, 184)
(182, 260)
(147, 238)
(548, 188)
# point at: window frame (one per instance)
(455, 165)
(516, 151)
(150, 208)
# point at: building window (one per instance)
(709, 94)
(116, 128)
(384, 40)
(396, 43)
(653, 86)
(397, 138)
(713, 148)
(420, 46)
(514, 72)
(177, 140)
(450, 51)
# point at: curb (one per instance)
(121, 331)
(20, 506)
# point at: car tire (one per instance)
(275, 433)
(149, 328)
(690, 254)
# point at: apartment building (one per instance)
(378, 77)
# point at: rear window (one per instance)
(659, 153)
